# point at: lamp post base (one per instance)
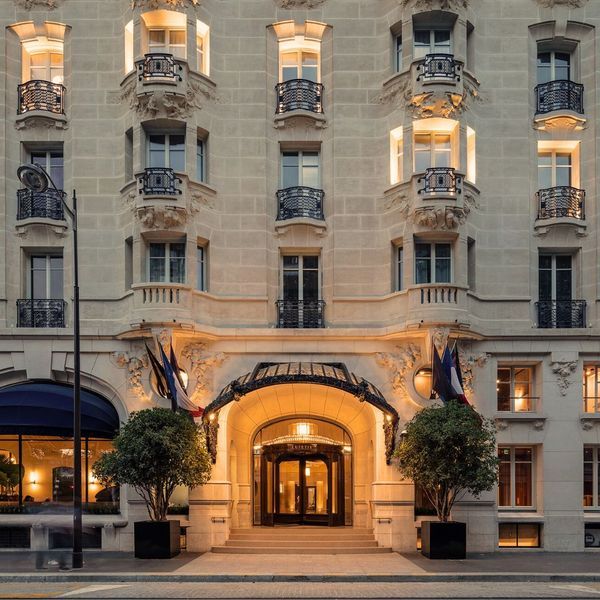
(77, 560)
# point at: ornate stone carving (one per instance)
(441, 218)
(297, 123)
(501, 424)
(470, 202)
(439, 338)
(539, 424)
(398, 364)
(563, 371)
(587, 424)
(433, 4)
(29, 4)
(400, 91)
(398, 201)
(299, 3)
(202, 362)
(569, 3)
(135, 366)
(164, 339)
(41, 123)
(153, 4)
(467, 363)
(161, 217)
(199, 201)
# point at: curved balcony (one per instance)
(562, 202)
(440, 180)
(440, 68)
(162, 302)
(159, 67)
(560, 95)
(437, 302)
(38, 95)
(42, 313)
(561, 314)
(159, 181)
(40, 205)
(300, 314)
(300, 202)
(299, 94)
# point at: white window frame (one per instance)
(47, 166)
(167, 261)
(201, 266)
(396, 155)
(299, 52)
(167, 148)
(168, 46)
(48, 269)
(595, 466)
(532, 400)
(553, 54)
(554, 270)
(595, 396)
(513, 487)
(301, 154)
(433, 148)
(432, 49)
(398, 45)
(554, 167)
(201, 159)
(300, 270)
(432, 259)
(47, 66)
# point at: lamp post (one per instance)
(35, 178)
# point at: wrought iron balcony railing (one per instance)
(156, 181)
(559, 95)
(159, 66)
(41, 313)
(439, 66)
(299, 94)
(45, 205)
(561, 201)
(300, 201)
(440, 180)
(41, 95)
(300, 314)
(561, 314)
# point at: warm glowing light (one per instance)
(521, 404)
(33, 477)
(303, 429)
(307, 471)
(422, 382)
(92, 478)
(396, 155)
(347, 448)
(388, 418)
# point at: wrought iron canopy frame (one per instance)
(334, 375)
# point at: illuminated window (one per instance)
(591, 481)
(129, 64)
(471, 156)
(46, 66)
(558, 164)
(167, 41)
(591, 388)
(514, 386)
(515, 482)
(435, 144)
(299, 59)
(202, 47)
(519, 535)
(396, 156)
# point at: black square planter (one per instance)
(444, 540)
(156, 539)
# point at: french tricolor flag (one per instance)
(451, 365)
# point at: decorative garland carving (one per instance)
(440, 218)
(433, 4)
(29, 4)
(399, 91)
(41, 122)
(467, 364)
(154, 4)
(568, 3)
(135, 366)
(398, 364)
(203, 362)
(298, 3)
(563, 370)
(161, 217)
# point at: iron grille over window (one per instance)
(299, 94)
(439, 66)
(300, 314)
(158, 66)
(41, 95)
(46, 205)
(41, 313)
(559, 95)
(159, 180)
(561, 314)
(440, 179)
(300, 201)
(562, 201)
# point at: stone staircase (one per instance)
(301, 540)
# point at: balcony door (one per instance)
(167, 150)
(52, 162)
(432, 150)
(301, 291)
(167, 41)
(431, 41)
(553, 66)
(46, 277)
(556, 283)
(46, 66)
(299, 64)
(300, 169)
(554, 169)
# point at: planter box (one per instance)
(156, 539)
(444, 540)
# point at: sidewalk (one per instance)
(188, 567)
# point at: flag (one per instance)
(159, 373)
(180, 398)
(456, 377)
(440, 381)
(176, 369)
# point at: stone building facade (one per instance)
(313, 193)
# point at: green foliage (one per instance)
(9, 475)
(449, 451)
(155, 451)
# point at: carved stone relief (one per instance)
(135, 366)
(398, 201)
(202, 362)
(440, 218)
(41, 122)
(400, 91)
(199, 201)
(439, 338)
(569, 3)
(398, 364)
(161, 217)
(563, 371)
(433, 4)
(299, 3)
(164, 339)
(28, 4)
(153, 4)
(468, 362)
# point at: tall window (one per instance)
(514, 386)
(555, 276)
(591, 388)
(432, 150)
(202, 47)
(591, 481)
(166, 262)
(398, 52)
(52, 162)
(47, 66)
(399, 267)
(167, 150)
(515, 483)
(299, 64)
(200, 161)
(201, 268)
(167, 41)
(300, 278)
(554, 169)
(300, 168)
(431, 41)
(553, 66)
(396, 155)
(45, 277)
(433, 263)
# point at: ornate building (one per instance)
(303, 197)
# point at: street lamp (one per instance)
(35, 178)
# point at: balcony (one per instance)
(440, 180)
(45, 96)
(300, 314)
(439, 68)
(561, 202)
(40, 205)
(157, 67)
(159, 181)
(300, 202)
(299, 94)
(560, 95)
(437, 302)
(41, 313)
(561, 314)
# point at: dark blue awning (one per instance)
(46, 408)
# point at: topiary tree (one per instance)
(449, 451)
(155, 451)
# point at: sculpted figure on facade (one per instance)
(299, 3)
(135, 366)
(398, 364)
(569, 3)
(29, 4)
(154, 4)
(433, 4)
(203, 362)
(468, 362)
(563, 371)
(161, 217)
(440, 218)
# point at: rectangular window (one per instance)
(514, 386)
(471, 156)
(46, 277)
(555, 277)
(167, 41)
(398, 49)
(432, 150)
(591, 476)
(166, 262)
(200, 166)
(399, 268)
(433, 263)
(396, 155)
(591, 388)
(167, 150)
(128, 263)
(519, 535)
(431, 41)
(52, 162)
(299, 64)
(201, 268)
(300, 278)
(471, 264)
(515, 483)
(46, 66)
(554, 169)
(300, 169)
(553, 66)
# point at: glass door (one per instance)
(556, 285)
(288, 489)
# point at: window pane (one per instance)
(11, 476)
(588, 483)
(504, 491)
(422, 152)
(503, 389)
(177, 37)
(157, 262)
(177, 263)
(544, 70)
(589, 388)
(290, 285)
(289, 66)
(507, 535)
(523, 484)
(311, 262)
(528, 535)
(422, 43)
(200, 160)
(562, 66)
(38, 284)
(442, 37)
(442, 263)
(156, 39)
(56, 283)
(290, 262)
(310, 285)
(157, 150)
(310, 69)
(200, 269)
(290, 171)
(177, 152)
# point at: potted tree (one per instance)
(448, 451)
(155, 451)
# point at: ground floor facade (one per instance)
(302, 428)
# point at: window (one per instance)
(202, 47)
(299, 64)
(200, 160)
(554, 169)
(167, 150)
(396, 155)
(432, 150)
(166, 262)
(167, 41)
(398, 52)
(433, 263)
(201, 268)
(300, 278)
(471, 156)
(471, 264)
(128, 263)
(399, 268)
(52, 162)
(591, 388)
(300, 169)
(514, 386)
(515, 484)
(46, 66)
(431, 41)
(45, 277)
(519, 535)
(591, 481)
(553, 66)
(555, 277)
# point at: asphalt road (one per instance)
(312, 591)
